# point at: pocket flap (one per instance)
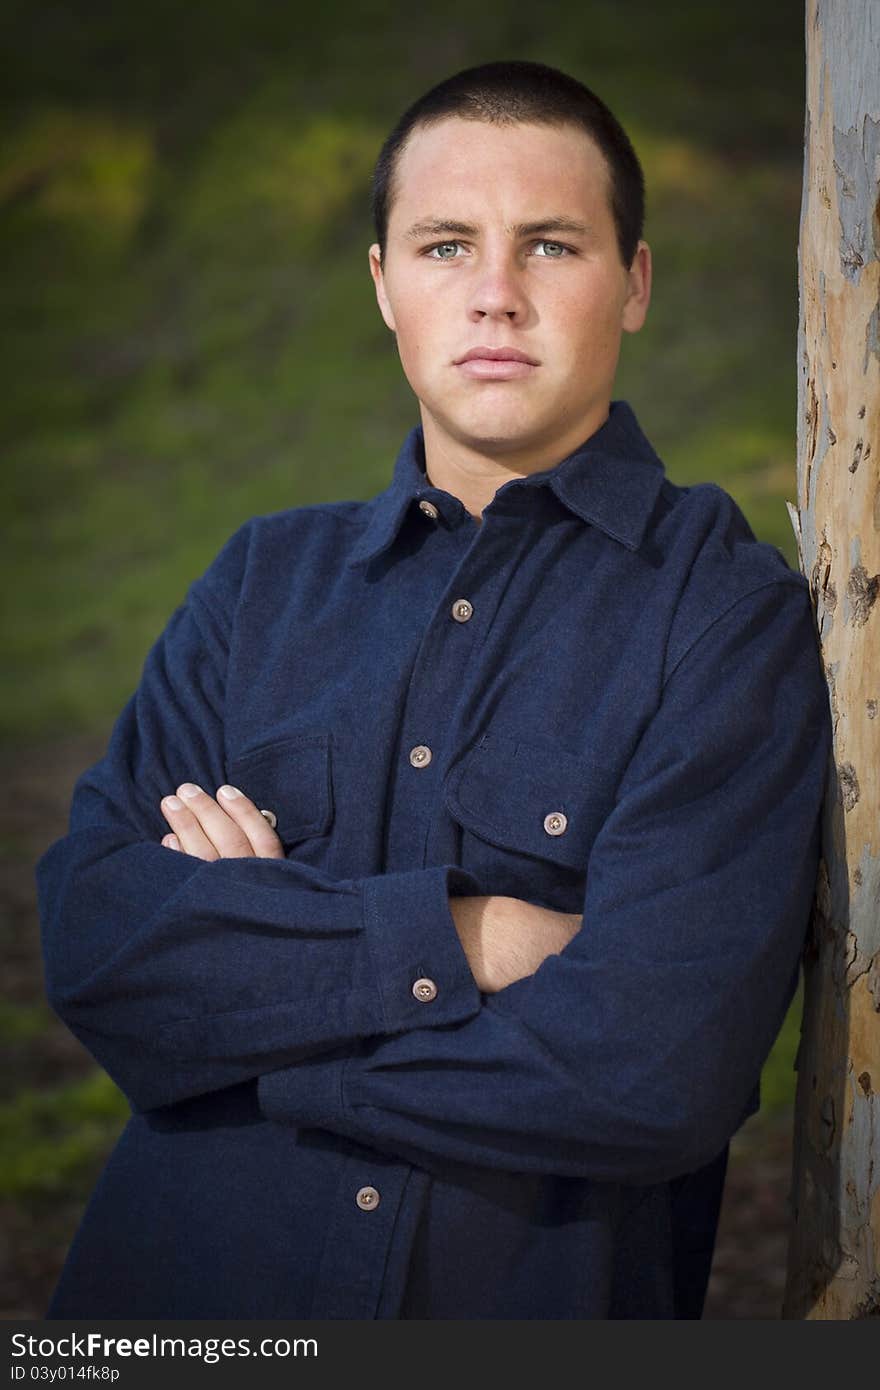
(292, 778)
(532, 798)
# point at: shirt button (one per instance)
(424, 990)
(421, 755)
(555, 823)
(429, 509)
(367, 1198)
(462, 609)
(270, 817)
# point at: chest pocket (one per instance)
(539, 805)
(293, 779)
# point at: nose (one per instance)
(497, 291)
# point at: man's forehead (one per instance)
(552, 181)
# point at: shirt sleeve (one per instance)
(182, 976)
(633, 1054)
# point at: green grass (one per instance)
(778, 1077)
(20, 1022)
(52, 1141)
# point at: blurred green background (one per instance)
(192, 338)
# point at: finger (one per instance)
(187, 827)
(171, 842)
(262, 838)
(224, 832)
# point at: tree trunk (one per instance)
(834, 1253)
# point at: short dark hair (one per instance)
(519, 91)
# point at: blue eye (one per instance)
(558, 252)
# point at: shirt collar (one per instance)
(611, 480)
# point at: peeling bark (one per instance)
(834, 1254)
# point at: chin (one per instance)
(502, 442)
(495, 431)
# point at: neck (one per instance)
(473, 472)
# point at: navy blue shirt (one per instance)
(605, 698)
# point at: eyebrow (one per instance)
(438, 226)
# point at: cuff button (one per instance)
(424, 990)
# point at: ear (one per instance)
(379, 282)
(638, 296)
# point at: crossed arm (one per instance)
(628, 1055)
(503, 938)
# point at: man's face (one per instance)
(556, 293)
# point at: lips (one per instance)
(496, 364)
(496, 354)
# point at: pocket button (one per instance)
(555, 823)
(424, 990)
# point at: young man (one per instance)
(442, 979)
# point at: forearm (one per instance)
(506, 939)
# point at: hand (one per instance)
(229, 828)
(506, 939)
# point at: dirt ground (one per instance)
(748, 1271)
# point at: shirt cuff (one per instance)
(422, 973)
(423, 980)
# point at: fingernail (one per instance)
(189, 790)
(229, 792)
(172, 803)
